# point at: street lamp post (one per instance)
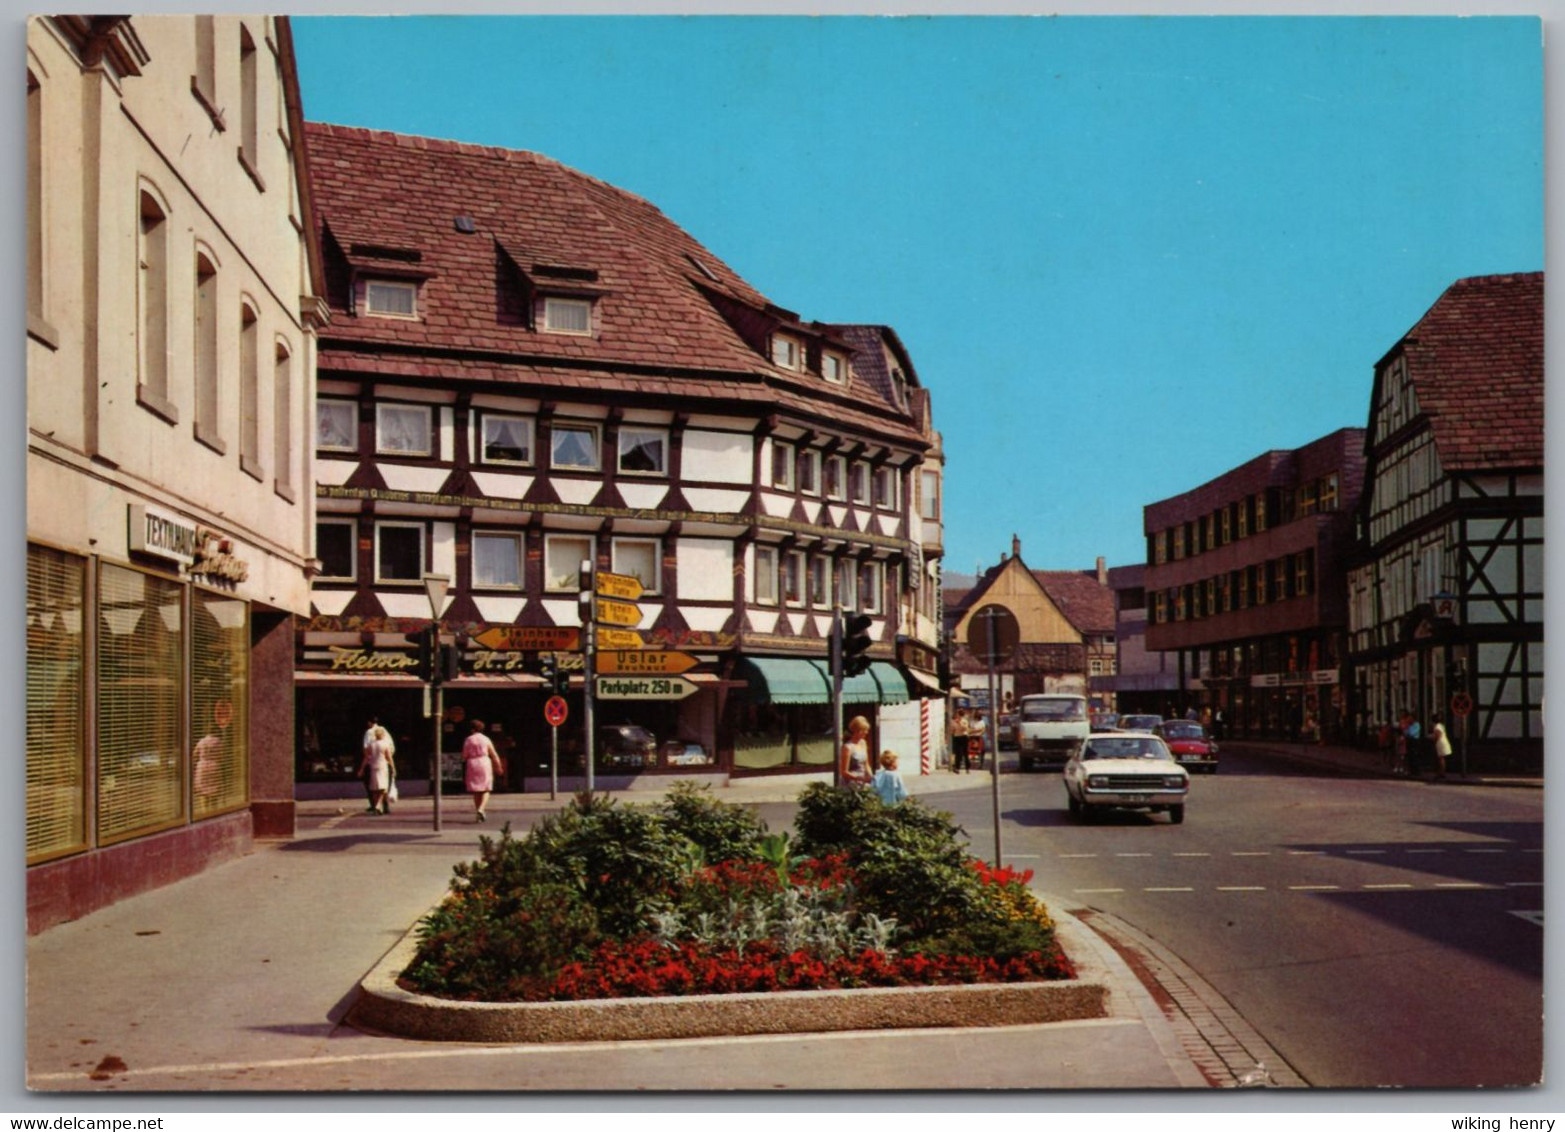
(435, 586)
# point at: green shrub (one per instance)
(721, 830)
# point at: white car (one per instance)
(1124, 770)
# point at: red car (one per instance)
(1190, 744)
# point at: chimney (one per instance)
(1103, 571)
(1016, 547)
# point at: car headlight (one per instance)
(1098, 781)
(1175, 780)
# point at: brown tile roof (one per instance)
(389, 202)
(1088, 605)
(1476, 361)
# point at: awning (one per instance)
(893, 689)
(860, 689)
(779, 680)
(928, 684)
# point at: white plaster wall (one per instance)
(719, 457)
(706, 569)
(710, 499)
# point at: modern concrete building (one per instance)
(1143, 680)
(171, 317)
(528, 368)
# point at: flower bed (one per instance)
(609, 902)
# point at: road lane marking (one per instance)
(1089, 891)
(1306, 852)
(1024, 856)
(1132, 854)
(1314, 888)
(1251, 853)
(1192, 854)
(1459, 884)
(1383, 886)
(1483, 851)
(1530, 917)
(1524, 884)
(1168, 890)
(1363, 852)
(1076, 856)
(1426, 850)
(1241, 888)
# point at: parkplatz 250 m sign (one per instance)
(644, 688)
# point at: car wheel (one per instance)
(1176, 814)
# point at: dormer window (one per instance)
(566, 316)
(390, 298)
(834, 367)
(786, 351)
(899, 388)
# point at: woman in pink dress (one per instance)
(483, 764)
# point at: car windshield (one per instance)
(1065, 708)
(1126, 747)
(1183, 731)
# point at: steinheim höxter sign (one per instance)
(644, 688)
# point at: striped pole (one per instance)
(925, 755)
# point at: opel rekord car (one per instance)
(1122, 770)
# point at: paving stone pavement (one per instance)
(1226, 1049)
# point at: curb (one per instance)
(385, 1007)
(1348, 770)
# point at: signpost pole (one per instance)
(589, 581)
(439, 772)
(554, 762)
(836, 696)
(994, 739)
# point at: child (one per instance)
(888, 783)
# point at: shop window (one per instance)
(643, 451)
(56, 743)
(249, 391)
(336, 426)
(639, 558)
(793, 577)
(141, 686)
(810, 472)
(219, 703)
(820, 575)
(848, 584)
(835, 477)
(497, 560)
(766, 575)
(782, 466)
(506, 439)
(858, 484)
(872, 587)
(404, 430)
(399, 552)
(573, 446)
(563, 556)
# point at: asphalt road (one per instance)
(1376, 933)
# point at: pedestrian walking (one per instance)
(888, 780)
(365, 749)
(1442, 746)
(1219, 725)
(482, 767)
(376, 768)
(854, 756)
(959, 741)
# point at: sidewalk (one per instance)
(237, 979)
(1352, 761)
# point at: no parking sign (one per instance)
(554, 711)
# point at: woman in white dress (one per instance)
(377, 769)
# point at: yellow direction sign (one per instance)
(619, 613)
(619, 638)
(622, 586)
(644, 688)
(648, 662)
(529, 638)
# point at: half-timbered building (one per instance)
(529, 368)
(1446, 602)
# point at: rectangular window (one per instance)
(639, 558)
(219, 703)
(1210, 606)
(563, 556)
(1304, 573)
(573, 446)
(56, 745)
(35, 197)
(282, 420)
(399, 552)
(567, 316)
(643, 451)
(152, 306)
(249, 102)
(872, 587)
(1159, 608)
(886, 488)
(1179, 542)
(141, 694)
(1260, 513)
(392, 300)
(810, 472)
(820, 589)
(1328, 493)
(929, 501)
(249, 392)
(336, 426)
(1279, 568)
(835, 477)
(1258, 583)
(206, 354)
(1225, 526)
(497, 560)
(337, 545)
(766, 575)
(403, 430)
(834, 367)
(782, 466)
(793, 578)
(1244, 517)
(858, 484)
(506, 440)
(1309, 498)
(848, 584)
(785, 351)
(1181, 603)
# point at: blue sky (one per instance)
(1126, 253)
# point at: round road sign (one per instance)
(1462, 703)
(993, 634)
(554, 711)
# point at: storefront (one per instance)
(781, 721)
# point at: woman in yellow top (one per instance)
(854, 761)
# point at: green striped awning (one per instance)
(782, 680)
(893, 687)
(860, 689)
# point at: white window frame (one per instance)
(582, 426)
(892, 479)
(352, 410)
(872, 596)
(929, 487)
(809, 476)
(380, 428)
(859, 474)
(848, 584)
(783, 456)
(423, 550)
(485, 417)
(831, 359)
(550, 541)
(841, 491)
(519, 540)
(630, 430)
(552, 304)
(397, 286)
(655, 585)
(801, 564)
(352, 524)
(766, 567)
(791, 350)
(818, 584)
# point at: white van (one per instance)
(1050, 729)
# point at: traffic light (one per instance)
(855, 644)
(423, 643)
(450, 663)
(584, 602)
(549, 666)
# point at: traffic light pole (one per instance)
(437, 700)
(994, 747)
(836, 696)
(589, 635)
